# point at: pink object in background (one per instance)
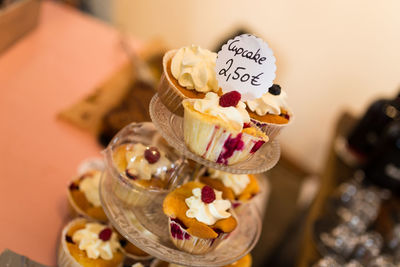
(61, 61)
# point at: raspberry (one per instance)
(230, 99)
(207, 194)
(152, 155)
(105, 234)
(246, 125)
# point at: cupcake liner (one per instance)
(189, 243)
(169, 95)
(64, 257)
(216, 143)
(272, 130)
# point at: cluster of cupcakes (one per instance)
(218, 127)
(89, 239)
(200, 216)
(201, 207)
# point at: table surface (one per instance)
(62, 60)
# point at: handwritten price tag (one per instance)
(246, 64)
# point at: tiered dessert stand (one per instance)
(147, 226)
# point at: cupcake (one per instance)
(187, 73)
(199, 219)
(84, 198)
(238, 188)
(246, 261)
(87, 243)
(270, 112)
(219, 129)
(142, 169)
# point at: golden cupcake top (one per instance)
(97, 240)
(269, 104)
(93, 244)
(84, 195)
(201, 222)
(233, 186)
(246, 261)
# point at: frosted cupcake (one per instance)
(270, 112)
(219, 129)
(238, 188)
(84, 198)
(246, 261)
(187, 73)
(86, 243)
(144, 167)
(199, 219)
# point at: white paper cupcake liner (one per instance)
(189, 243)
(216, 143)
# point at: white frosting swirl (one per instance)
(236, 116)
(194, 68)
(207, 213)
(90, 187)
(268, 103)
(89, 241)
(140, 167)
(237, 182)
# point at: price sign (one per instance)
(245, 64)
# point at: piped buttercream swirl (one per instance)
(268, 104)
(89, 241)
(207, 213)
(237, 182)
(90, 187)
(235, 116)
(194, 68)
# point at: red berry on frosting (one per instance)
(105, 234)
(152, 155)
(230, 99)
(207, 194)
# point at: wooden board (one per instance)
(16, 20)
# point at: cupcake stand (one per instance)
(146, 226)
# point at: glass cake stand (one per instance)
(147, 228)
(171, 128)
(144, 223)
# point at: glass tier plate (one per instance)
(147, 228)
(171, 128)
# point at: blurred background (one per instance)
(330, 55)
(87, 68)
